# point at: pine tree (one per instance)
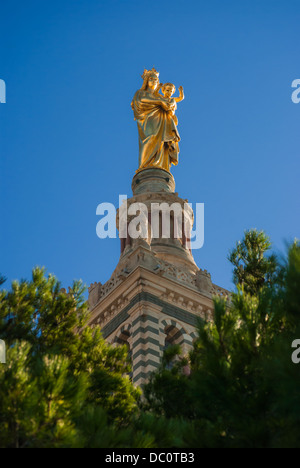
(38, 402)
(57, 366)
(252, 268)
(243, 389)
(64, 386)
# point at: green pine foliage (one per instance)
(243, 389)
(65, 386)
(58, 369)
(252, 267)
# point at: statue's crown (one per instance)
(150, 72)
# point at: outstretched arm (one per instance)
(158, 89)
(181, 95)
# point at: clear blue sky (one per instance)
(68, 140)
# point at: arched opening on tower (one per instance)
(173, 336)
(122, 339)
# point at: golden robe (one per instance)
(158, 135)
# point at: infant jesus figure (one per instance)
(168, 89)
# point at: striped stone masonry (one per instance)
(157, 294)
(148, 312)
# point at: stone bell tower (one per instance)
(157, 293)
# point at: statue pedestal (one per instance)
(153, 180)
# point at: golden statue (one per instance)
(157, 122)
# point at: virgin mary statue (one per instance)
(158, 135)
